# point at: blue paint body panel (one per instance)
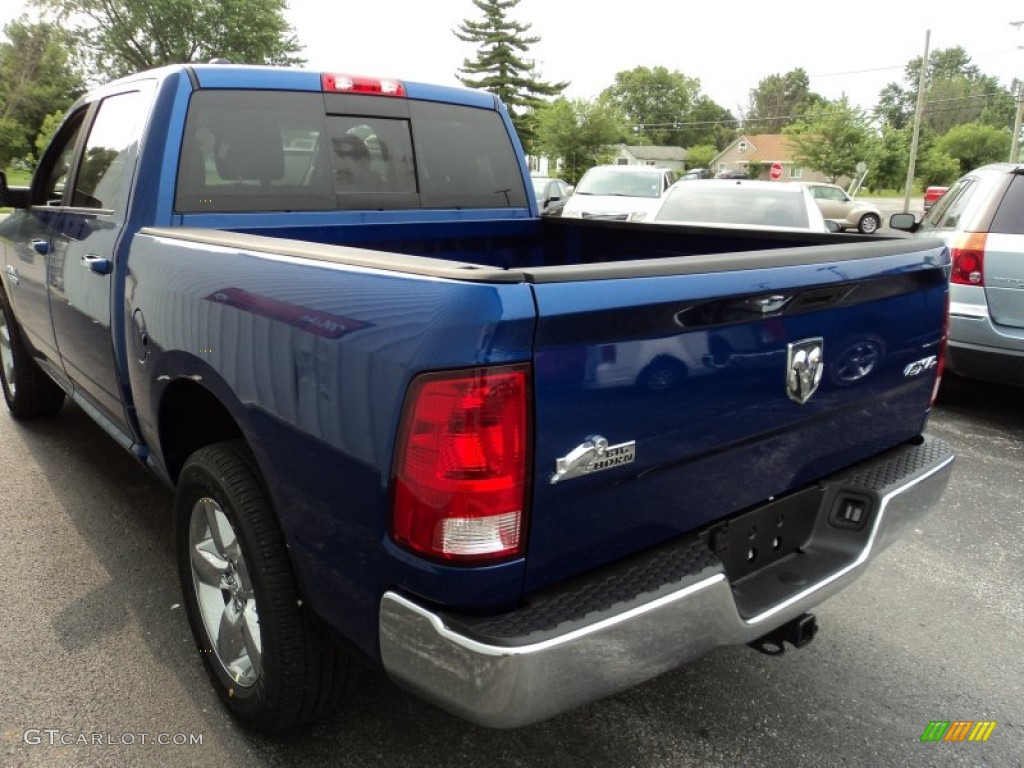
(308, 327)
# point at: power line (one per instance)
(738, 121)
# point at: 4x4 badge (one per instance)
(805, 364)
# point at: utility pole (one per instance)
(912, 167)
(1015, 138)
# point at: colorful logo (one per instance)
(958, 730)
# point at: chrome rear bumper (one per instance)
(606, 633)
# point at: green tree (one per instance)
(956, 92)
(756, 169)
(701, 155)
(49, 127)
(888, 159)
(121, 37)
(779, 100)
(36, 78)
(892, 109)
(660, 104)
(831, 138)
(708, 123)
(579, 132)
(974, 145)
(500, 67)
(13, 142)
(937, 168)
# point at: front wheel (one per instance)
(868, 224)
(28, 391)
(267, 657)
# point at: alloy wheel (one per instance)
(224, 593)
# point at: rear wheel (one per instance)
(267, 657)
(868, 224)
(29, 392)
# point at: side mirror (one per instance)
(832, 225)
(906, 222)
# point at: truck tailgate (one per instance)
(666, 403)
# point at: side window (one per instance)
(105, 170)
(56, 164)
(936, 217)
(950, 217)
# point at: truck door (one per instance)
(29, 237)
(84, 247)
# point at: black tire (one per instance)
(868, 224)
(29, 392)
(266, 655)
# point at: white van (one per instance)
(620, 192)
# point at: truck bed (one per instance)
(530, 247)
(669, 338)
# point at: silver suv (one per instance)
(981, 219)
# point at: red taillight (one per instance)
(356, 84)
(461, 461)
(968, 254)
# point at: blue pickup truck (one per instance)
(516, 462)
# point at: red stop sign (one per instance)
(776, 171)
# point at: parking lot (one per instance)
(98, 666)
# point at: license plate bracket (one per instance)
(765, 534)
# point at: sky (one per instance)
(851, 48)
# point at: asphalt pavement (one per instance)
(98, 668)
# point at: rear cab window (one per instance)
(292, 151)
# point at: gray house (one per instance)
(663, 157)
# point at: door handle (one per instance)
(41, 246)
(97, 264)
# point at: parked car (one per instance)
(981, 218)
(551, 194)
(849, 213)
(731, 175)
(697, 173)
(932, 195)
(742, 203)
(619, 192)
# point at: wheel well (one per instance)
(190, 418)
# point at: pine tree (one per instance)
(500, 68)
